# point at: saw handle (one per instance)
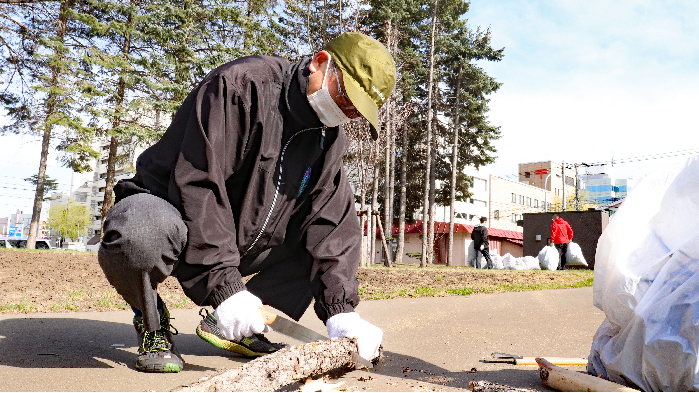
(267, 316)
(531, 361)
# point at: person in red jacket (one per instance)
(561, 235)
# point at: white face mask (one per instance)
(327, 110)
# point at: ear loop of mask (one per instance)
(343, 94)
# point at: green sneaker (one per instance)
(255, 346)
(157, 352)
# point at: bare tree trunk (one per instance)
(48, 128)
(454, 161)
(114, 141)
(428, 155)
(387, 180)
(433, 190)
(363, 212)
(374, 215)
(402, 197)
(388, 208)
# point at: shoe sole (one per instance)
(227, 344)
(166, 368)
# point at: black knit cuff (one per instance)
(334, 309)
(222, 293)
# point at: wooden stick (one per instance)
(572, 381)
(271, 372)
(385, 246)
(531, 361)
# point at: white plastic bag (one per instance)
(512, 263)
(508, 261)
(646, 280)
(548, 258)
(497, 261)
(531, 263)
(574, 255)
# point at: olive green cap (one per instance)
(368, 72)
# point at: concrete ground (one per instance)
(431, 344)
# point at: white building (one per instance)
(469, 212)
(604, 187)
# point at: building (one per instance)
(500, 242)
(548, 175)
(18, 225)
(470, 211)
(605, 189)
(510, 199)
(88, 187)
(587, 228)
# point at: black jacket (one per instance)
(244, 154)
(480, 236)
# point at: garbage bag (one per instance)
(497, 261)
(531, 263)
(646, 279)
(511, 263)
(548, 258)
(574, 255)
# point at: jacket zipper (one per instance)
(279, 181)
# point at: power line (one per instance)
(649, 157)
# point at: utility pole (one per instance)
(563, 171)
(577, 198)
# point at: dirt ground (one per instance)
(59, 281)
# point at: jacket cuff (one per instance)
(334, 309)
(219, 294)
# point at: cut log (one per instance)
(286, 366)
(572, 381)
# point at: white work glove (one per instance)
(350, 325)
(482, 247)
(239, 316)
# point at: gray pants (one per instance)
(144, 236)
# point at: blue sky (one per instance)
(591, 81)
(582, 82)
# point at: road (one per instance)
(431, 344)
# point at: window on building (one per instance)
(529, 201)
(476, 202)
(496, 214)
(102, 189)
(480, 184)
(521, 199)
(514, 198)
(536, 203)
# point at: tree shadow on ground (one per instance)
(81, 343)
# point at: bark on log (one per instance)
(286, 366)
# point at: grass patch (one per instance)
(407, 281)
(22, 307)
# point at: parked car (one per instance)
(21, 242)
